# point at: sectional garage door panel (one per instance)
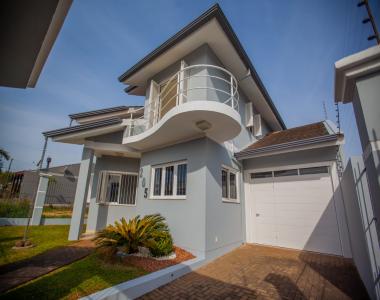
(296, 212)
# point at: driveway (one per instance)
(258, 272)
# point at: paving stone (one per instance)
(258, 272)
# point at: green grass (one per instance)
(44, 237)
(57, 212)
(81, 278)
(14, 208)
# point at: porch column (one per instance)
(40, 199)
(81, 194)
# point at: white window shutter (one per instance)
(151, 110)
(257, 129)
(248, 114)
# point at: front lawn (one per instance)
(44, 237)
(76, 280)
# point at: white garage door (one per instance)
(294, 208)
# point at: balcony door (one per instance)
(168, 95)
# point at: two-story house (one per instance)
(209, 151)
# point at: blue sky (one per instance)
(292, 44)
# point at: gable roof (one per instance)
(214, 12)
(297, 136)
(101, 111)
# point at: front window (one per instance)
(229, 185)
(116, 188)
(169, 180)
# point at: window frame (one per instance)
(236, 172)
(163, 167)
(102, 188)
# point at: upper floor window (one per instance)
(169, 181)
(230, 185)
(117, 188)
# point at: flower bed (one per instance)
(150, 264)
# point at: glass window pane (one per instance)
(113, 184)
(314, 170)
(290, 172)
(169, 176)
(261, 175)
(181, 179)
(157, 181)
(233, 190)
(224, 184)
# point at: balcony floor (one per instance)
(180, 124)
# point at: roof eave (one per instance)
(214, 12)
(250, 153)
(75, 129)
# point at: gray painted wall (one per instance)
(296, 157)
(113, 138)
(205, 55)
(99, 215)
(201, 223)
(225, 228)
(195, 222)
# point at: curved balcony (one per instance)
(199, 100)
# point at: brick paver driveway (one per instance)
(257, 272)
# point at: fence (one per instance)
(61, 188)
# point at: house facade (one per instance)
(209, 151)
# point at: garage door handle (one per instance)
(257, 215)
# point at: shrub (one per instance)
(128, 236)
(162, 245)
(14, 208)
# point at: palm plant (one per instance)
(4, 154)
(129, 235)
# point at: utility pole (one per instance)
(325, 110)
(370, 19)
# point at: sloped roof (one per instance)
(214, 12)
(78, 128)
(306, 134)
(101, 111)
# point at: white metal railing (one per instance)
(192, 83)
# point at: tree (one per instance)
(3, 155)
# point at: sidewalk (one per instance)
(17, 273)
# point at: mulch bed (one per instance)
(151, 265)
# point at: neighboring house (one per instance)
(28, 30)
(210, 152)
(61, 188)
